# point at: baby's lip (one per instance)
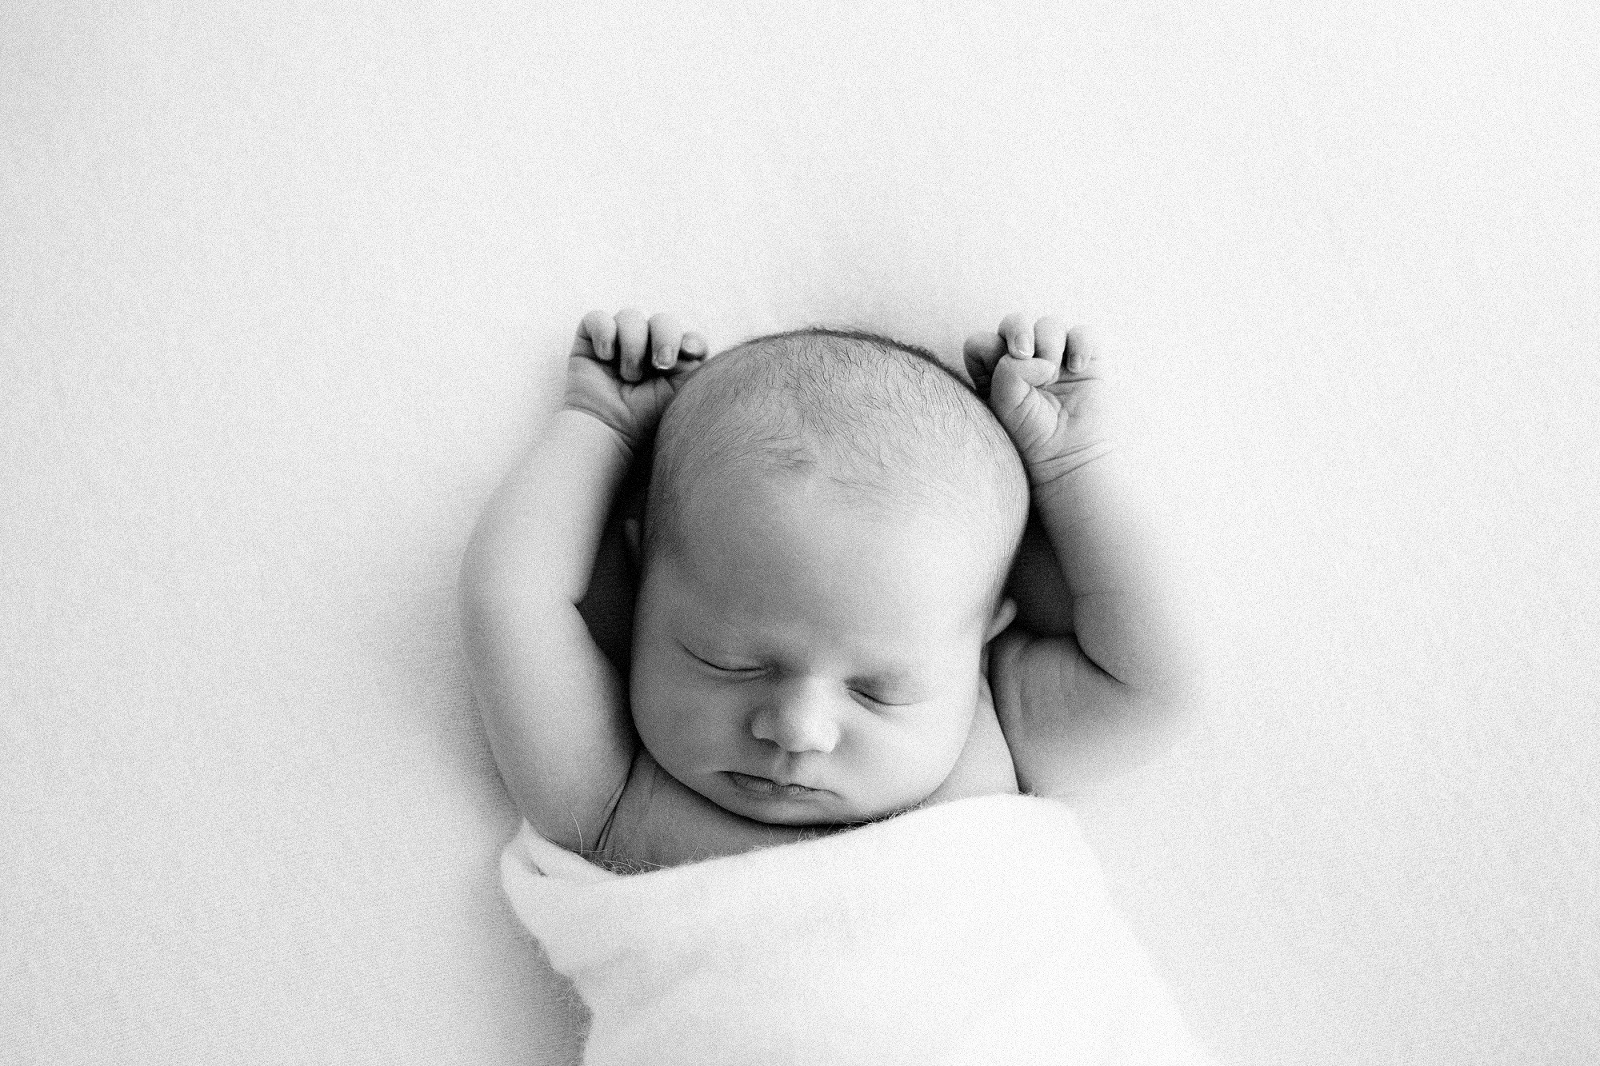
(767, 786)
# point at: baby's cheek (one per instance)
(926, 749)
(653, 698)
(679, 719)
(953, 728)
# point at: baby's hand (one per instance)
(608, 376)
(1043, 385)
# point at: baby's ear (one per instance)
(1004, 612)
(630, 534)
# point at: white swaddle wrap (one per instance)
(977, 931)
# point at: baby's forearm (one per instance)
(542, 528)
(553, 710)
(1123, 615)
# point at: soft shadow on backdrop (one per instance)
(282, 290)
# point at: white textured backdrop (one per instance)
(283, 288)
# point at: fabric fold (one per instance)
(977, 931)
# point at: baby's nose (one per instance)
(799, 717)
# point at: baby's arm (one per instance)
(555, 710)
(1076, 705)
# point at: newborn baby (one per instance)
(832, 561)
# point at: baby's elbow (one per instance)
(479, 587)
(1140, 726)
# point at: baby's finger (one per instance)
(1084, 354)
(1014, 390)
(980, 353)
(633, 339)
(694, 347)
(1018, 335)
(666, 335)
(1050, 340)
(597, 336)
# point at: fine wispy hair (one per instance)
(884, 422)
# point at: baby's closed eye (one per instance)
(722, 664)
(881, 701)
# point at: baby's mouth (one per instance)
(762, 786)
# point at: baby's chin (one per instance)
(766, 801)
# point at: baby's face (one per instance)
(799, 660)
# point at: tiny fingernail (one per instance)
(662, 359)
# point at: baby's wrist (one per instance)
(596, 424)
(628, 438)
(1058, 472)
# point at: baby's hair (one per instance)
(884, 422)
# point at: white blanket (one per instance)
(969, 932)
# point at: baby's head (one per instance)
(830, 523)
